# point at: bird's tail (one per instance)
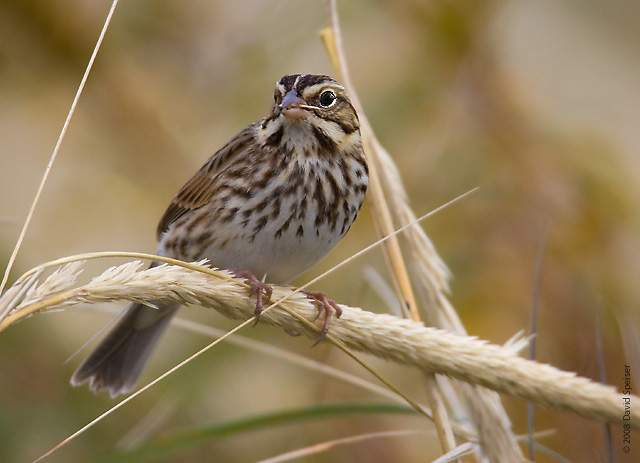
(117, 363)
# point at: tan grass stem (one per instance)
(401, 340)
(387, 193)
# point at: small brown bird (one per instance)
(271, 202)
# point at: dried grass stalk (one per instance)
(401, 340)
(489, 418)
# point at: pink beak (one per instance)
(291, 105)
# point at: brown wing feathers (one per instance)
(202, 187)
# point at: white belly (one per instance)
(280, 259)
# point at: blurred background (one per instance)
(536, 103)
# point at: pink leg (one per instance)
(258, 287)
(325, 305)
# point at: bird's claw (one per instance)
(325, 305)
(262, 290)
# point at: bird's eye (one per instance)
(327, 98)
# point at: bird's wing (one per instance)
(202, 187)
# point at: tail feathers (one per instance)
(117, 363)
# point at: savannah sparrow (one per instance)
(271, 202)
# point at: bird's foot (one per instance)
(326, 306)
(262, 290)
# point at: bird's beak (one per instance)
(291, 105)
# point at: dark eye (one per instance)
(327, 98)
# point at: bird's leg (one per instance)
(325, 305)
(258, 287)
